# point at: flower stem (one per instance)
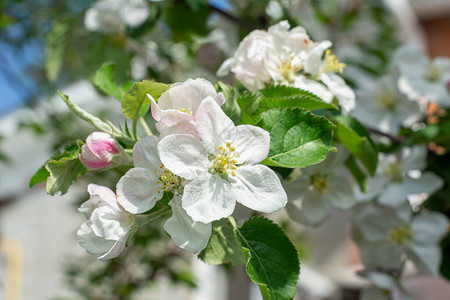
(145, 126)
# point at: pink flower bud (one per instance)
(98, 151)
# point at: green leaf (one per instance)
(298, 138)
(104, 80)
(186, 23)
(272, 260)
(255, 103)
(357, 139)
(56, 44)
(230, 107)
(40, 176)
(64, 171)
(358, 174)
(96, 122)
(137, 96)
(222, 247)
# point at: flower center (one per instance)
(186, 111)
(287, 70)
(320, 183)
(394, 171)
(331, 63)
(224, 161)
(386, 100)
(167, 179)
(432, 73)
(400, 235)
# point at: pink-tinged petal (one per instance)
(208, 198)
(90, 242)
(92, 161)
(117, 248)
(187, 95)
(252, 143)
(145, 154)
(110, 223)
(101, 143)
(220, 99)
(184, 155)
(137, 190)
(185, 232)
(156, 110)
(185, 126)
(258, 188)
(213, 126)
(98, 151)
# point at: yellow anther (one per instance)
(233, 173)
(163, 178)
(228, 144)
(234, 161)
(232, 149)
(236, 154)
(156, 171)
(331, 63)
(233, 167)
(221, 148)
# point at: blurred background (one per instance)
(47, 45)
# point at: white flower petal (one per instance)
(314, 87)
(395, 193)
(314, 60)
(429, 228)
(341, 90)
(137, 190)
(90, 242)
(145, 154)
(213, 126)
(184, 155)
(116, 249)
(425, 257)
(252, 143)
(185, 232)
(376, 185)
(208, 198)
(258, 188)
(109, 223)
(341, 195)
(98, 194)
(187, 95)
(310, 209)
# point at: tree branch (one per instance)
(241, 22)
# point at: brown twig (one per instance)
(241, 22)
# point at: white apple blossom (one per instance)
(320, 76)
(385, 287)
(422, 77)
(185, 232)
(317, 188)
(384, 234)
(177, 107)
(397, 178)
(221, 167)
(113, 16)
(382, 106)
(269, 57)
(108, 226)
(140, 188)
(288, 57)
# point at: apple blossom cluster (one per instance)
(280, 56)
(382, 220)
(200, 157)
